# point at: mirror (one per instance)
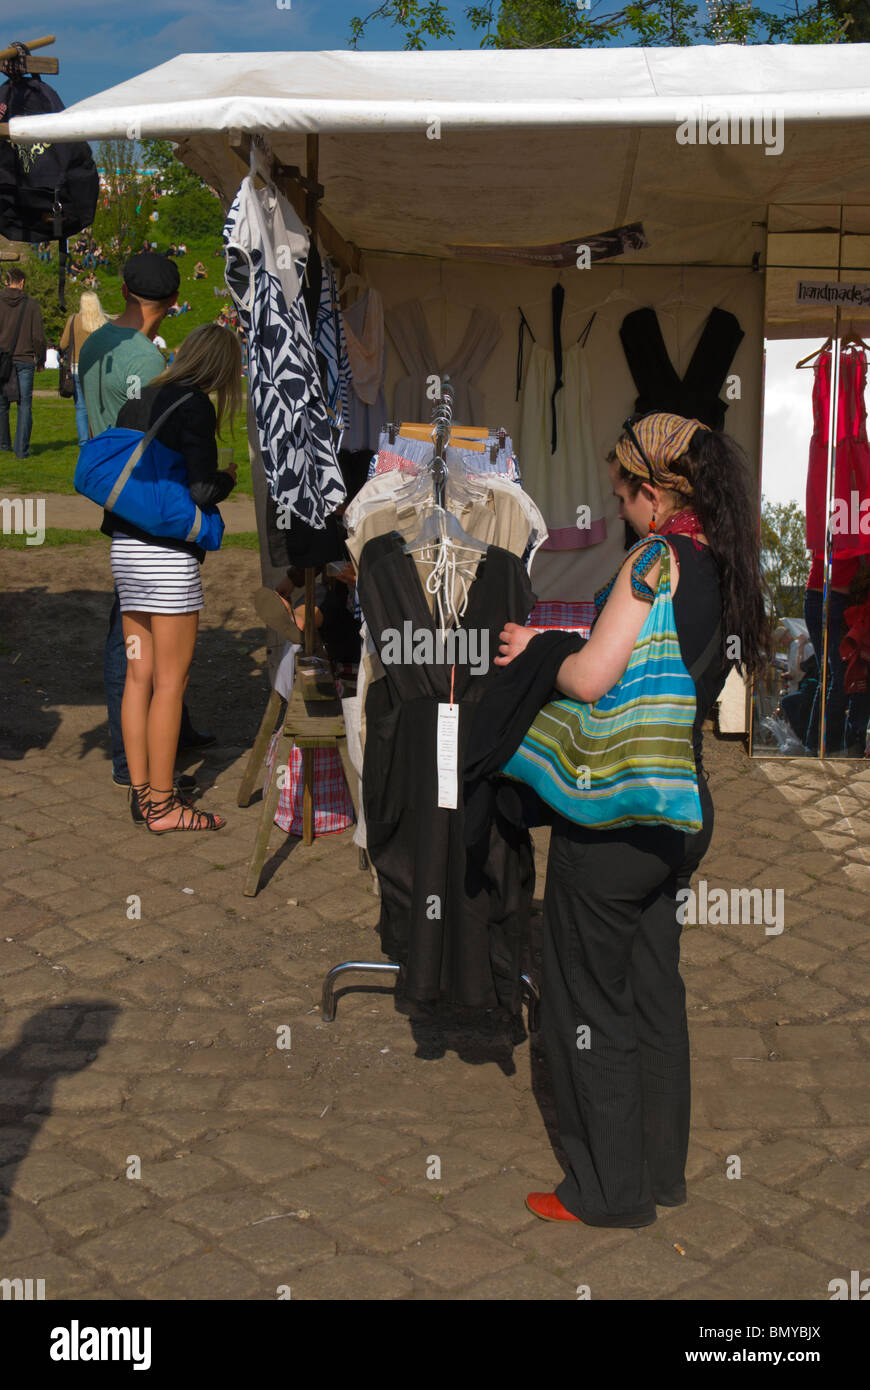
(815, 496)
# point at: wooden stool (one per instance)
(312, 719)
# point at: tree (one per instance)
(192, 215)
(174, 176)
(123, 212)
(571, 24)
(784, 557)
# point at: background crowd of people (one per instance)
(35, 352)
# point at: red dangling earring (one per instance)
(652, 525)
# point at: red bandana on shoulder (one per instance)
(684, 523)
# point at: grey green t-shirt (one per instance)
(114, 365)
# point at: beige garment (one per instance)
(498, 520)
(476, 519)
(512, 527)
(366, 351)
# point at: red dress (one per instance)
(852, 465)
(852, 474)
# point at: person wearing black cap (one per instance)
(120, 359)
(115, 364)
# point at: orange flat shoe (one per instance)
(547, 1206)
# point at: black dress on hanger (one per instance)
(456, 919)
(696, 395)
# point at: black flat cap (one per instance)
(150, 276)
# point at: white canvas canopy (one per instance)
(419, 152)
(534, 146)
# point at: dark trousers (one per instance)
(846, 715)
(611, 964)
(114, 676)
(24, 422)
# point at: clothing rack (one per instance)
(442, 425)
(442, 418)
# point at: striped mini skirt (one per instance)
(151, 579)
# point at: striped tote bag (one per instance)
(627, 759)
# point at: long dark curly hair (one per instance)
(718, 470)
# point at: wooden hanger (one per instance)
(806, 361)
(853, 340)
(464, 435)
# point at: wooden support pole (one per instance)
(312, 155)
(50, 66)
(33, 43)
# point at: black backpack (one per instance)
(33, 178)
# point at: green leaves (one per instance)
(784, 558)
(644, 23)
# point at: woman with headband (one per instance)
(611, 929)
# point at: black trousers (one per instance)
(614, 1014)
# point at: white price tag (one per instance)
(447, 752)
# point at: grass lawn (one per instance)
(54, 448)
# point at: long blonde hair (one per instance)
(91, 312)
(211, 358)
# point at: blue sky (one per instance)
(100, 44)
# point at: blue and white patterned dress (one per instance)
(266, 252)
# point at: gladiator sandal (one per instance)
(185, 786)
(138, 799)
(162, 803)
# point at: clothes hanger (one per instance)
(677, 298)
(260, 162)
(617, 295)
(441, 526)
(349, 281)
(463, 486)
(805, 362)
(466, 435)
(854, 340)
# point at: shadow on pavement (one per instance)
(29, 1071)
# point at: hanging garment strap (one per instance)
(525, 327)
(139, 450)
(558, 304)
(702, 662)
(584, 336)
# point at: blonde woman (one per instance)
(158, 579)
(77, 329)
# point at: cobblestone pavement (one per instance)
(150, 1046)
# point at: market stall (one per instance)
(563, 234)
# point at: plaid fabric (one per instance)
(387, 462)
(568, 617)
(333, 808)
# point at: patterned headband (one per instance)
(664, 439)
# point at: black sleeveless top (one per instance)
(697, 610)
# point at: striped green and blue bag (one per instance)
(627, 759)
